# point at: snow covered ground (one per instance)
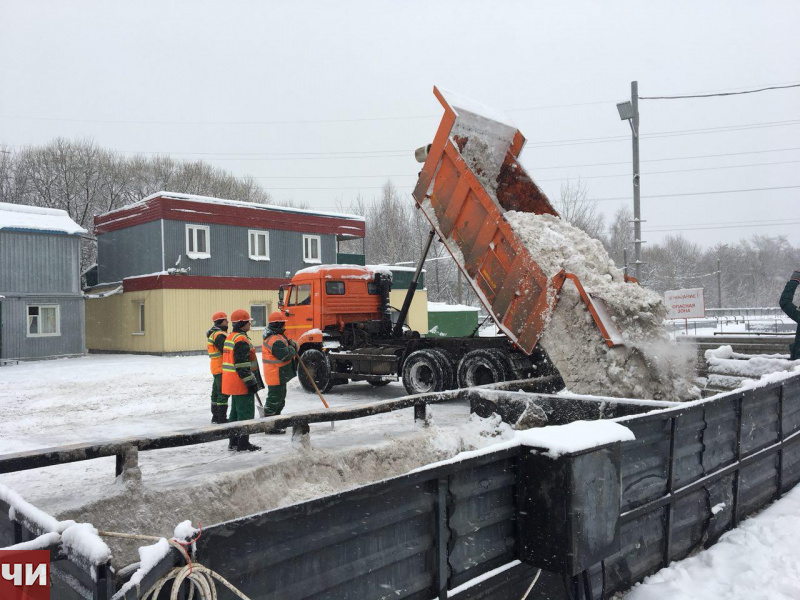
(102, 397)
(760, 560)
(731, 326)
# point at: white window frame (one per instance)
(265, 305)
(308, 238)
(39, 321)
(252, 247)
(191, 234)
(140, 317)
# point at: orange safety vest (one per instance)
(271, 364)
(232, 384)
(214, 354)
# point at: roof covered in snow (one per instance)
(445, 307)
(22, 217)
(212, 200)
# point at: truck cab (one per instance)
(326, 299)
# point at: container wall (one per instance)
(39, 263)
(175, 320)
(131, 251)
(17, 344)
(230, 254)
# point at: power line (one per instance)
(763, 89)
(627, 162)
(772, 224)
(783, 187)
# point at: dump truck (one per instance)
(471, 175)
(346, 330)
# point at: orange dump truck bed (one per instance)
(470, 177)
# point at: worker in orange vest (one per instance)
(241, 377)
(279, 355)
(215, 338)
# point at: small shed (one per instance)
(41, 304)
(451, 320)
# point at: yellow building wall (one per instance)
(417, 313)
(175, 320)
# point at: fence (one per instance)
(434, 532)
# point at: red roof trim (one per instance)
(200, 282)
(189, 211)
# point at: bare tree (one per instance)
(579, 210)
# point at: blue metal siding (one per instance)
(14, 325)
(230, 254)
(39, 263)
(132, 251)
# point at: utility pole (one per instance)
(719, 285)
(629, 111)
(637, 210)
(625, 261)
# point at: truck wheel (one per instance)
(424, 371)
(483, 366)
(319, 366)
(449, 368)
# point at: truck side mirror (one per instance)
(280, 297)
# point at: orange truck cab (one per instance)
(328, 298)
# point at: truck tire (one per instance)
(424, 371)
(319, 366)
(483, 366)
(449, 367)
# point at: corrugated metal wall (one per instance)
(39, 263)
(175, 320)
(127, 252)
(16, 343)
(230, 255)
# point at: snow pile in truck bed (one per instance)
(649, 364)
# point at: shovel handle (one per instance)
(314, 383)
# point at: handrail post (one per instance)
(128, 464)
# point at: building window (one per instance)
(258, 312)
(44, 320)
(311, 249)
(138, 318)
(198, 243)
(334, 288)
(258, 244)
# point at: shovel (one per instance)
(260, 408)
(314, 383)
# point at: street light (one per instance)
(629, 111)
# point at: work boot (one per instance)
(233, 442)
(244, 444)
(214, 414)
(222, 413)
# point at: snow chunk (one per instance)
(721, 352)
(21, 216)
(40, 543)
(149, 557)
(575, 436)
(82, 539)
(717, 508)
(21, 510)
(185, 531)
(755, 366)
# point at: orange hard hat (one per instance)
(277, 317)
(240, 315)
(218, 316)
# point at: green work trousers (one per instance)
(217, 398)
(276, 399)
(242, 407)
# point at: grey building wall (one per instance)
(14, 326)
(39, 263)
(132, 251)
(229, 251)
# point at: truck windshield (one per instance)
(300, 295)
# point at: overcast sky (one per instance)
(323, 100)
